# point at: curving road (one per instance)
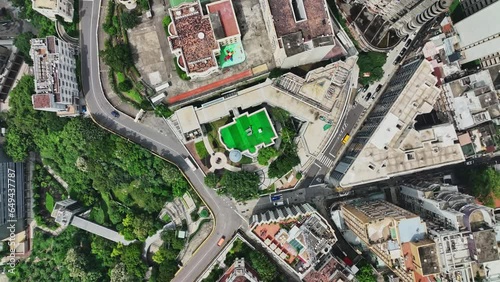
(165, 145)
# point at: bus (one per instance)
(190, 163)
(346, 138)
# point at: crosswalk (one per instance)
(326, 160)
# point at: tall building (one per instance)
(479, 36)
(300, 31)
(464, 230)
(239, 271)
(56, 87)
(392, 141)
(424, 16)
(389, 10)
(472, 6)
(53, 8)
(398, 237)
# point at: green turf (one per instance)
(231, 55)
(175, 3)
(235, 136)
(49, 202)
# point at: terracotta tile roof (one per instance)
(194, 37)
(316, 24)
(41, 101)
(227, 16)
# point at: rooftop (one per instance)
(427, 253)
(225, 16)
(477, 27)
(47, 4)
(41, 101)
(309, 17)
(396, 147)
(484, 245)
(194, 37)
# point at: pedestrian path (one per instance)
(326, 160)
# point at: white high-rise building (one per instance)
(53, 8)
(56, 87)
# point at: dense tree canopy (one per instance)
(371, 62)
(265, 154)
(118, 57)
(130, 19)
(283, 164)
(365, 274)
(241, 185)
(483, 182)
(211, 180)
(22, 42)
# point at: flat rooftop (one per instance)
(227, 18)
(249, 131)
(310, 17)
(47, 4)
(194, 36)
(396, 147)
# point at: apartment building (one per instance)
(391, 142)
(479, 36)
(472, 6)
(463, 230)
(398, 238)
(300, 31)
(53, 8)
(56, 87)
(240, 271)
(418, 15)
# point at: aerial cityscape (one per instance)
(250, 140)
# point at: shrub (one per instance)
(204, 213)
(163, 111)
(194, 216)
(125, 85)
(201, 150)
(130, 19)
(211, 180)
(283, 164)
(265, 154)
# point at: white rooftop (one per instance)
(477, 27)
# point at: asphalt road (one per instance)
(165, 145)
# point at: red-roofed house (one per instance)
(196, 39)
(239, 271)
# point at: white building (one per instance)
(480, 36)
(53, 8)
(472, 100)
(56, 87)
(300, 31)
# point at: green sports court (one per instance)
(247, 132)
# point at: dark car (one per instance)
(408, 43)
(402, 51)
(115, 114)
(368, 96)
(366, 87)
(398, 59)
(378, 88)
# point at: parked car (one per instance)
(397, 60)
(115, 114)
(378, 88)
(402, 51)
(408, 43)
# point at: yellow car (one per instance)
(346, 138)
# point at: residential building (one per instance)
(13, 206)
(394, 140)
(464, 230)
(240, 271)
(479, 36)
(330, 269)
(53, 8)
(389, 10)
(205, 43)
(297, 236)
(300, 31)
(419, 15)
(54, 67)
(471, 99)
(398, 237)
(472, 6)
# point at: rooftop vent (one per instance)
(299, 10)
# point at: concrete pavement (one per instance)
(165, 145)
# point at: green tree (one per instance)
(119, 57)
(22, 42)
(283, 164)
(130, 19)
(241, 185)
(211, 180)
(119, 274)
(365, 274)
(265, 154)
(125, 85)
(371, 62)
(163, 111)
(264, 266)
(484, 183)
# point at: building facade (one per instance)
(391, 142)
(56, 86)
(53, 8)
(479, 36)
(419, 15)
(472, 6)
(239, 271)
(300, 31)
